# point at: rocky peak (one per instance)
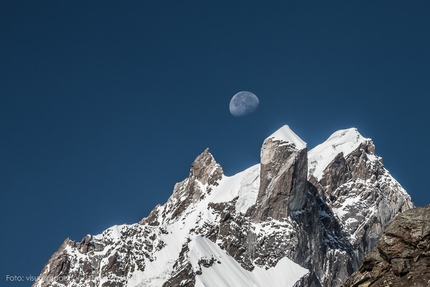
(364, 164)
(59, 263)
(204, 175)
(205, 169)
(360, 163)
(286, 135)
(283, 176)
(402, 257)
(358, 195)
(343, 141)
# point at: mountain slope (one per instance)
(279, 222)
(362, 198)
(402, 257)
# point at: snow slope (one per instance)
(226, 271)
(344, 141)
(286, 134)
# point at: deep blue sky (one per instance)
(104, 105)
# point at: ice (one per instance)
(248, 190)
(287, 135)
(225, 271)
(344, 141)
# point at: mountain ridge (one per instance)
(275, 212)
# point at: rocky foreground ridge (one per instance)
(299, 217)
(402, 257)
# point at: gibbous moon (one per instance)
(243, 103)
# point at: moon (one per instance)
(243, 103)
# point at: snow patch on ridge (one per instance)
(345, 141)
(243, 185)
(287, 135)
(225, 271)
(248, 190)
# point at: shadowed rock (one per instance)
(283, 177)
(403, 254)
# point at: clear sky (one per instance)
(105, 104)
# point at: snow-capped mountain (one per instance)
(298, 218)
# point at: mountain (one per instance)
(297, 218)
(402, 257)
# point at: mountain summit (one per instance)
(287, 135)
(297, 218)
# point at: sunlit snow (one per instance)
(225, 271)
(287, 135)
(344, 141)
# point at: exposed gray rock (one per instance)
(204, 171)
(379, 197)
(402, 257)
(86, 244)
(283, 177)
(363, 198)
(59, 266)
(182, 274)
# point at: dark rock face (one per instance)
(336, 174)
(380, 197)
(59, 268)
(355, 200)
(86, 244)
(204, 171)
(182, 274)
(402, 257)
(282, 181)
(322, 243)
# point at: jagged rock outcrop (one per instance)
(58, 269)
(298, 218)
(362, 198)
(379, 198)
(283, 177)
(402, 257)
(204, 175)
